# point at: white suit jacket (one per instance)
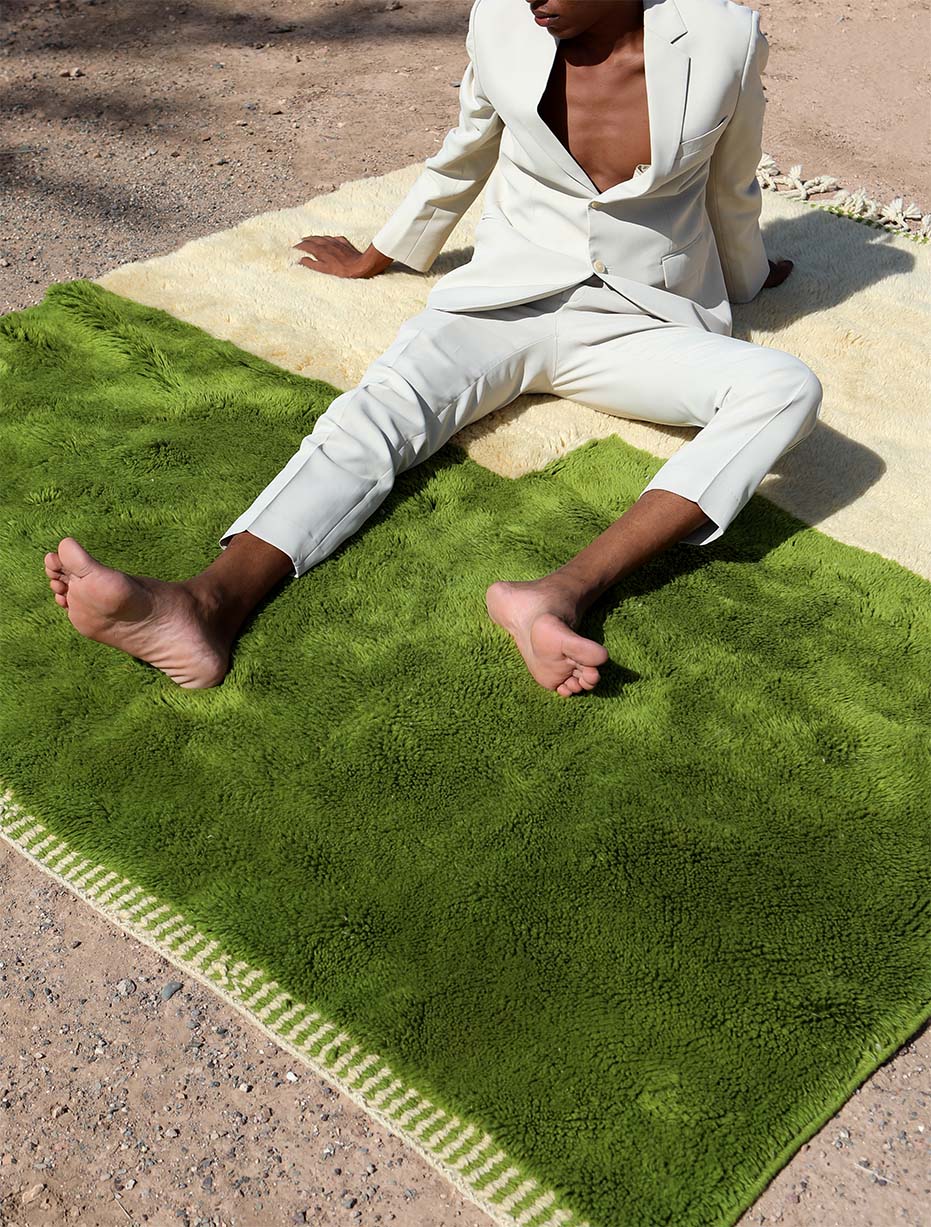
(681, 238)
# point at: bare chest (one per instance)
(600, 115)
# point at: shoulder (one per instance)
(725, 21)
(500, 15)
(728, 30)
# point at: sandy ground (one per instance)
(128, 129)
(189, 118)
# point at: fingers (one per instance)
(331, 254)
(322, 254)
(778, 271)
(321, 266)
(324, 242)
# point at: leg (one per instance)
(442, 371)
(403, 411)
(753, 402)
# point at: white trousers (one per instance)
(588, 344)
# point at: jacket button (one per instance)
(598, 266)
(594, 204)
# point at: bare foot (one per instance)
(161, 622)
(539, 617)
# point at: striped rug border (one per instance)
(462, 1154)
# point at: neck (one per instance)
(618, 30)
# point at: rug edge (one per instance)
(869, 1064)
(532, 1204)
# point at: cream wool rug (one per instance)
(856, 308)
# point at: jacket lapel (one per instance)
(666, 68)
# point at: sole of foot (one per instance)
(158, 621)
(536, 618)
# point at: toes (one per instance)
(62, 600)
(588, 653)
(582, 678)
(53, 565)
(75, 558)
(579, 650)
(571, 685)
(587, 675)
(58, 585)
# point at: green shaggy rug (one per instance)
(609, 959)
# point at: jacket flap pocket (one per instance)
(685, 269)
(695, 144)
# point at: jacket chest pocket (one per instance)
(696, 146)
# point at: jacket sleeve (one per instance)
(451, 179)
(734, 197)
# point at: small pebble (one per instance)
(170, 989)
(31, 1194)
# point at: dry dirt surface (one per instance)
(129, 128)
(128, 1092)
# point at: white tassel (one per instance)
(854, 204)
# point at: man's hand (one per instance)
(778, 273)
(338, 257)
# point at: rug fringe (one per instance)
(892, 216)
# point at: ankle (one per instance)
(563, 597)
(216, 606)
(576, 593)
